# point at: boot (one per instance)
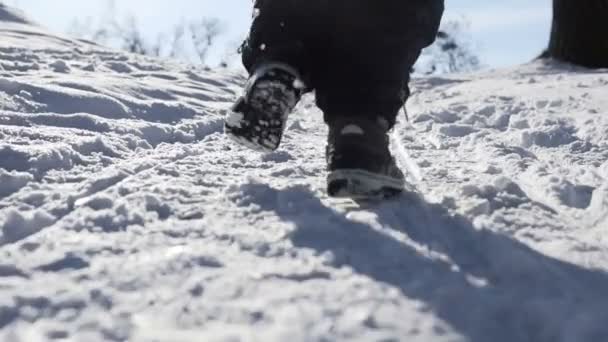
(359, 161)
(258, 118)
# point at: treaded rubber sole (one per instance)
(252, 145)
(258, 118)
(361, 184)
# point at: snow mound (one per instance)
(125, 214)
(18, 225)
(10, 182)
(8, 14)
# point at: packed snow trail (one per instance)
(125, 214)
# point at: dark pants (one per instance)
(355, 54)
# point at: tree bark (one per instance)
(580, 33)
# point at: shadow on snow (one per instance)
(500, 289)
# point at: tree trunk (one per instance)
(580, 32)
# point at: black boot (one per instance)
(257, 120)
(359, 162)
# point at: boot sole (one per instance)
(361, 184)
(264, 131)
(245, 142)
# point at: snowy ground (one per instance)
(125, 214)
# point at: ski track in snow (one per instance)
(126, 215)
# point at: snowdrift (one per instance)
(125, 214)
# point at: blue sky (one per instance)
(505, 33)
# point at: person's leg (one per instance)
(283, 32)
(374, 45)
(277, 55)
(363, 84)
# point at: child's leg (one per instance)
(277, 56)
(283, 32)
(363, 84)
(373, 47)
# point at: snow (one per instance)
(125, 214)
